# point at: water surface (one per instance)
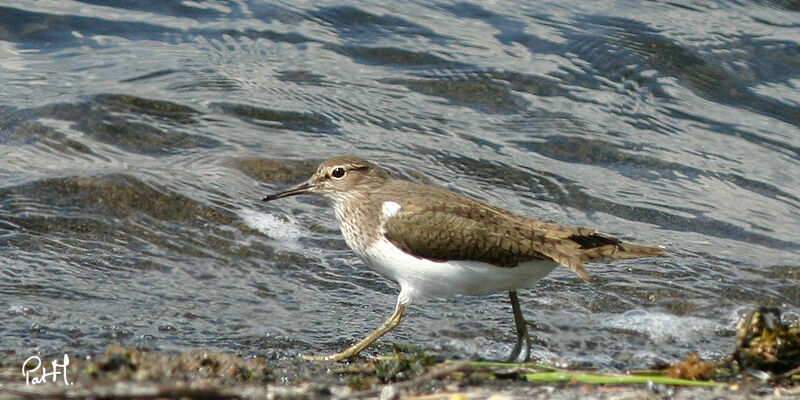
(137, 138)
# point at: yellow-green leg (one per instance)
(387, 326)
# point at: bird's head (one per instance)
(336, 178)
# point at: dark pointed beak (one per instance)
(302, 188)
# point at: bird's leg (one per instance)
(522, 330)
(387, 326)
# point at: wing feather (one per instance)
(449, 226)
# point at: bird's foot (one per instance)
(522, 348)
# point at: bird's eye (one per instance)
(338, 172)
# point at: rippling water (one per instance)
(137, 138)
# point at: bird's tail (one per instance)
(621, 250)
(578, 245)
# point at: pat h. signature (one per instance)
(33, 364)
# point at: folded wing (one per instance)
(480, 232)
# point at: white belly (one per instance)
(420, 278)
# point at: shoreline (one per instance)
(126, 373)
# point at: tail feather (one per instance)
(572, 262)
(632, 250)
(572, 246)
(621, 250)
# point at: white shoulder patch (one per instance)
(390, 209)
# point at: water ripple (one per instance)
(138, 138)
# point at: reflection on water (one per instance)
(137, 139)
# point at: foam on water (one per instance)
(661, 327)
(487, 349)
(284, 230)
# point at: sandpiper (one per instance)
(438, 243)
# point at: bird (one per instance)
(436, 243)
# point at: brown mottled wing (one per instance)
(480, 232)
(447, 234)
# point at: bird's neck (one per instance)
(360, 225)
